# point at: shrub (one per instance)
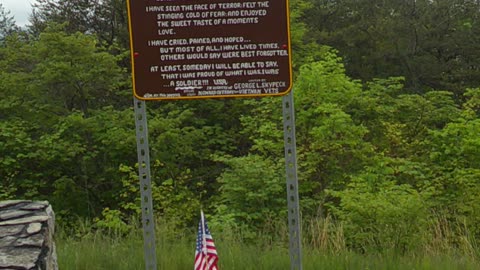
(381, 215)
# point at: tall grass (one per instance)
(448, 245)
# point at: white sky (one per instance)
(20, 9)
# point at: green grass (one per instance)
(97, 251)
(444, 247)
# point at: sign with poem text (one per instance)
(185, 49)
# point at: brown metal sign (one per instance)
(209, 48)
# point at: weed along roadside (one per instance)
(324, 248)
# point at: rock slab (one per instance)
(26, 236)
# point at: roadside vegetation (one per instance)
(324, 247)
(387, 99)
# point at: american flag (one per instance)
(206, 257)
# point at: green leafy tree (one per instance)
(252, 193)
(330, 143)
(430, 43)
(56, 140)
(305, 49)
(453, 155)
(107, 20)
(72, 71)
(82, 156)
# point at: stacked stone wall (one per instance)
(26, 236)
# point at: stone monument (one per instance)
(26, 236)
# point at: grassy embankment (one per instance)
(324, 248)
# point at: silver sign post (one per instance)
(292, 182)
(143, 153)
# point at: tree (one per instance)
(252, 193)
(58, 135)
(7, 24)
(107, 19)
(454, 154)
(72, 71)
(430, 43)
(331, 143)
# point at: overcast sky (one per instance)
(20, 9)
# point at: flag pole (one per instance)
(204, 240)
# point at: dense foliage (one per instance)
(388, 116)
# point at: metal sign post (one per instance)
(294, 221)
(143, 152)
